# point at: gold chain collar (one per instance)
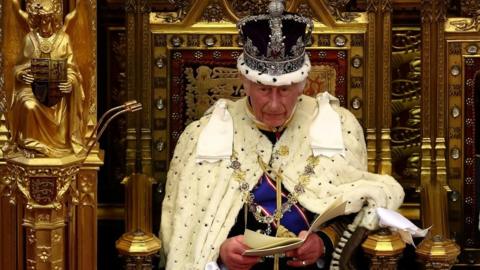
(292, 198)
(46, 44)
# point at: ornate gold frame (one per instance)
(462, 43)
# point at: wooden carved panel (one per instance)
(406, 112)
(463, 82)
(243, 8)
(470, 195)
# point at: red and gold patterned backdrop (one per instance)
(201, 77)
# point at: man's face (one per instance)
(272, 105)
(43, 16)
(47, 25)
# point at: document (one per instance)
(263, 245)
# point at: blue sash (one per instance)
(265, 193)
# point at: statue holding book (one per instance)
(46, 113)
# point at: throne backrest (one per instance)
(195, 52)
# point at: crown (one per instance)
(274, 46)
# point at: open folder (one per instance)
(263, 245)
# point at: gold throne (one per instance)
(193, 62)
(354, 55)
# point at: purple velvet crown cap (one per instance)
(274, 46)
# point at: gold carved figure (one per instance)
(46, 114)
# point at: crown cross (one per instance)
(276, 47)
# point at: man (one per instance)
(269, 162)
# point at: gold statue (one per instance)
(46, 116)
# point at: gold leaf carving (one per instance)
(213, 13)
(206, 85)
(31, 264)
(87, 190)
(20, 178)
(56, 238)
(182, 8)
(468, 24)
(44, 253)
(305, 10)
(405, 103)
(321, 78)
(249, 7)
(338, 10)
(31, 238)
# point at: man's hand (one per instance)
(27, 77)
(308, 253)
(65, 87)
(231, 252)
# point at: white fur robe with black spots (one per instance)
(203, 200)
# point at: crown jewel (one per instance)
(275, 42)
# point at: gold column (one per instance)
(8, 228)
(384, 249)
(435, 249)
(138, 244)
(385, 83)
(139, 202)
(46, 191)
(371, 85)
(379, 86)
(83, 230)
(438, 253)
(139, 125)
